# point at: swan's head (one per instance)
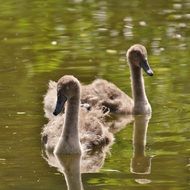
(137, 57)
(67, 87)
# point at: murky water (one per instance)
(43, 40)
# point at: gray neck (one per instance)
(69, 140)
(71, 119)
(141, 104)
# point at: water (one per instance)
(43, 40)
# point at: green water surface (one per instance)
(43, 40)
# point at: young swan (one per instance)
(137, 59)
(106, 94)
(69, 134)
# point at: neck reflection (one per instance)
(140, 162)
(69, 165)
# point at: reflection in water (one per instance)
(128, 27)
(69, 165)
(140, 163)
(91, 161)
(73, 165)
(117, 123)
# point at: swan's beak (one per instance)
(61, 99)
(144, 64)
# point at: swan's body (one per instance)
(108, 95)
(66, 133)
(102, 93)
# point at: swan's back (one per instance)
(102, 93)
(94, 133)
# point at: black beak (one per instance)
(144, 64)
(61, 99)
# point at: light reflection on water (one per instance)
(45, 40)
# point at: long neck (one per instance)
(69, 140)
(71, 120)
(138, 90)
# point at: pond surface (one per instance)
(43, 40)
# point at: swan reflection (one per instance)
(140, 162)
(72, 166)
(69, 165)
